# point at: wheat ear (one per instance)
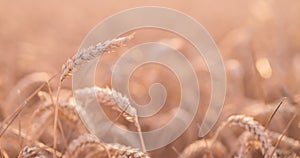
(255, 129)
(112, 97)
(87, 143)
(91, 53)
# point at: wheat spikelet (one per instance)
(255, 129)
(32, 152)
(90, 53)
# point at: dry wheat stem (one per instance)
(56, 117)
(9, 120)
(44, 113)
(283, 133)
(273, 114)
(295, 144)
(177, 152)
(59, 122)
(39, 144)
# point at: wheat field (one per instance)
(39, 42)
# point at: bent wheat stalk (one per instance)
(79, 59)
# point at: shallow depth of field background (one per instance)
(258, 40)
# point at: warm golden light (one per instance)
(264, 68)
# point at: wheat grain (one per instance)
(91, 53)
(31, 152)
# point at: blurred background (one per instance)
(258, 40)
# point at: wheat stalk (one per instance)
(9, 120)
(286, 140)
(38, 144)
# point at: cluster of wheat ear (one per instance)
(255, 137)
(71, 138)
